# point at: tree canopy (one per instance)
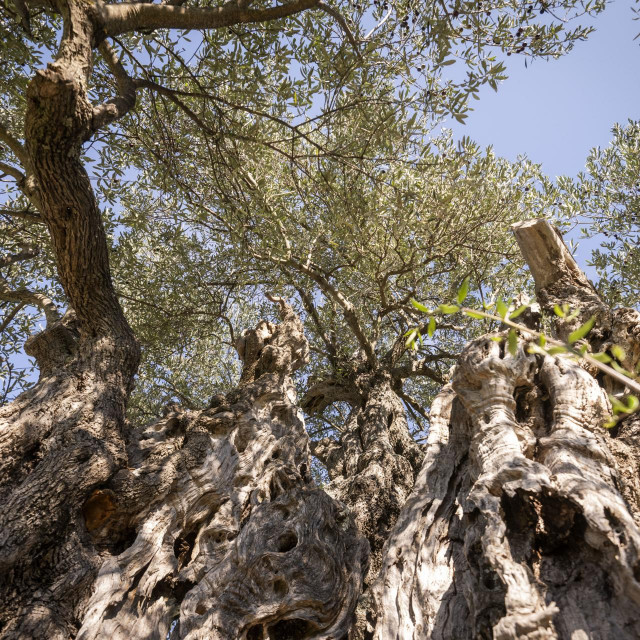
(247, 110)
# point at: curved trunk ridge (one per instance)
(521, 522)
(212, 528)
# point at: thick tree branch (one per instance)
(26, 253)
(125, 17)
(23, 214)
(420, 368)
(9, 170)
(27, 297)
(558, 279)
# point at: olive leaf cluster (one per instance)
(606, 200)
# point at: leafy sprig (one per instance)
(608, 363)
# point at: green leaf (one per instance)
(618, 352)
(463, 290)
(542, 340)
(519, 311)
(582, 330)
(411, 337)
(501, 308)
(632, 404)
(474, 314)
(448, 308)
(512, 339)
(559, 312)
(555, 350)
(431, 329)
(601, 357)
(622, 370)
(617, 405)
(420, 307)
(497, 338)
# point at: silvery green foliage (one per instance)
(377, 232)
(607, 197)
(289, 88)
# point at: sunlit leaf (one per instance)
(582, 330)
(431, 329)
(518, 311)
(618, 352)
(512, 342)
(463, 290)
(448, 308)
(420, 307)
(411, 337)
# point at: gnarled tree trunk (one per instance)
(212, 528)
(523, 520)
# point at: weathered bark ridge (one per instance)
(212, 528)
(518, 525)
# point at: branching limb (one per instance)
(13, 144)
(339, 18)
(420, 368)
(26, 297)
(11, 315)
(26, 253)
(126, 98)
(313, 312)
(23, 214)
(126, 17)
(12, 171)
(26, 183)
(347, 308)
(413, 405)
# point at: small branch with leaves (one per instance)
(608, 363)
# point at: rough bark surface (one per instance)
(375, 457)
(212, 528)
(521, 523)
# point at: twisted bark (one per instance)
(212, 528)
(523, 519)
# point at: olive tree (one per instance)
(204, 523)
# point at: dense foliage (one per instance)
(606, 199)
(312, 131)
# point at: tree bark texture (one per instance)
(212, 528)
(375, 456)
(523, 520)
